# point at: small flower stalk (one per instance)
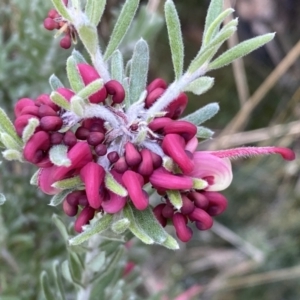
(109, 140)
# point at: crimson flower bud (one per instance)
(56, 138)
(70, 210)
(153, 96)
(101, 150)
(92, 175)
(66, 42)
(49, 24)
(203, 219)
(84, 218)
(177, 107)
(217, 203)
(156, 83)
(70, 138)
(88, 75)
(45, 99)
(146, 166)
(95, 138)
(186, 129)
(173, 145)
(51, 123)
(115, 89)
(66, 93)
(183, 232)
(30, 110)
(82, 133)
(45, 111)
(132, 156)
(113, 156)
(168, 211)
(21, 122)
(22, 103)
(121, 166)
(199, 199)
(158, 214)
(187, 205)
(159, 123)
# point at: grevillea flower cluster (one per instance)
(108, 143)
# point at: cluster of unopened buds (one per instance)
(55, 21)
(158, 151)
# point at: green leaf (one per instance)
(170, 243)
(75, 265)
(203, 114)
(122, 25)
(126, 88)
(94, 10)
(68, 183)
(12, 154)
(9, 142)
(2, 199)
(175, 37)
(120, 226)
(66, 271)
(200, 85)
(99, 226)
(58, 279)
(29, 129)
(97, 262)
(59, 198)
(175, 198)
(34, 178)
(114, 186)
(215, 25)
(138, 70)
(78, 57)
(203, 58)
(117, 66)
(62, 9)
(89, 38)
(135, 228)
(74, 75)
(60, 100)
(204, 133)
(45, 285)
(60, 226)
(55, 83)
(7, 126)
(58, 155)
(77, 106)
(240, 50)
(91, 88)
(149, 224)
(222, 36)
(214, 10)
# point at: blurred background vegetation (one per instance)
(253, 250)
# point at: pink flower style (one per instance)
(135, 151)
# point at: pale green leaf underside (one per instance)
(200, 85)
(94, 10)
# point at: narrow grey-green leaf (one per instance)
(75, 265)
(240, 50)
(135, 228)
(34, 178)
(139, 70)
(202, 58)
(200, 85)
(175, 37)
(204, 133)
(59, 198)
(91, 88)
(122, 25)
(89, 37)
(120, 226)
(149, 224)
(78, 57)
(60, 226)
(170, 243)
(62, 9)
(9, 142)
(73, 75)
(58, 279)
(94, 10)
(99, 226)
(214, 10)
(2, 199)
(203, 114)
(222, 36)
(11, 154)
(29, 129)
(68, 183)
(61, 101)
(45, 285)
(97, 262)
(77, 106)
(114, 186)
(215, 25)
(55, 83)
(175, 198)
(58, 155)
(117, 66)
(7, 126)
